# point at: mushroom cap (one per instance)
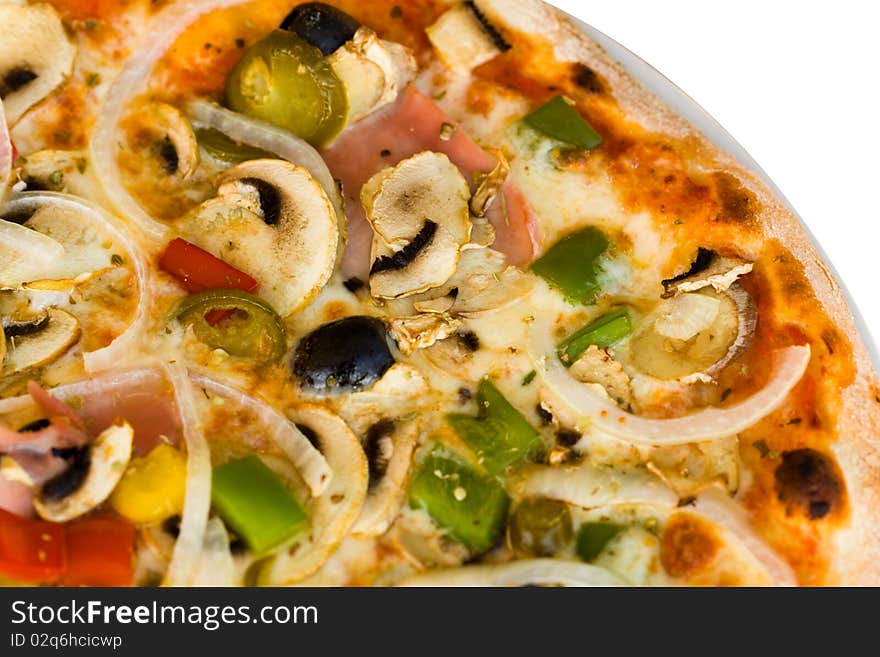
(35, 56)
(43, 345)
(273, 220)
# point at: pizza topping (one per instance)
(488, 187)
(470, 506)
(153, 487)
(7, 154)
(198, 271)
(35, 56)
(499, 436)
(172, 139)
(420, 217)
(287, 81)
(421, 331)
(593, 537)
(525, 572)
(334, 510)
(694, 333)
(809, 482)
(559, 120)
(708, 269)
(227, 150)
(574, 265)
(253, 329)
(31, 551)
(372, 71)
(688, 545)
(25, 254)
(61, 500)
(284, 229)
(462, 39)
(35, 344)
(539, 527)
(598, 366)
(389, 446)
(256, 504)
(603, 332)
(350, 353)
(322, 25)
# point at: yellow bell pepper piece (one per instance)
(153, 487)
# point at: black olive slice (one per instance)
(349, 353)
(323, 26)
(72, 478)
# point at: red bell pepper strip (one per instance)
(31, 551)
(99, 552)
(199, 271)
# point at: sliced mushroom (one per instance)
(40, 343)
(90, 480)
(35, 56)
(335, 510)
(373, 72)
(462, 40)
(708, 269)
(489, 185)
(273, 220)
(56, 171)
(695, 334)
(423, 330)
(389, 446)
(420, 217)
(173, 139)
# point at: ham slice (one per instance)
(411, 125)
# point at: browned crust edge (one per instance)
(856, 559)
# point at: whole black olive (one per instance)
(323, 26)
(349, 353)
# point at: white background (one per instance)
(798, 85)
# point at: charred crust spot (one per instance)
(687, 546)
(168, 155)
(72, 478)
(585, 78)
(701, 263)
(378, 448)
(809, 482)
(491, 30)
(738, 204)
(407, 254)
(310, 435)
(15, 79)
(270, 199)
(566, 437)
(469, 340)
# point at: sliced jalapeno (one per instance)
(252, 330)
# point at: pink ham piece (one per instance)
(411, 125)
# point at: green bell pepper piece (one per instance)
(256, 504)
(603, 332)
(499, 436)
(471, 506)
(592, 538)
(559, 120)
(573, 264)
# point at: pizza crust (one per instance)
(856, 560)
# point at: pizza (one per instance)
(421, 292)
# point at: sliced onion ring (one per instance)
(166, 26)
(309, 462)
(587, 486)
(126, 343)
(528, 572)
(271, 139)
(197, 502)
(718, 507)
(5, 154)
(789, 365)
